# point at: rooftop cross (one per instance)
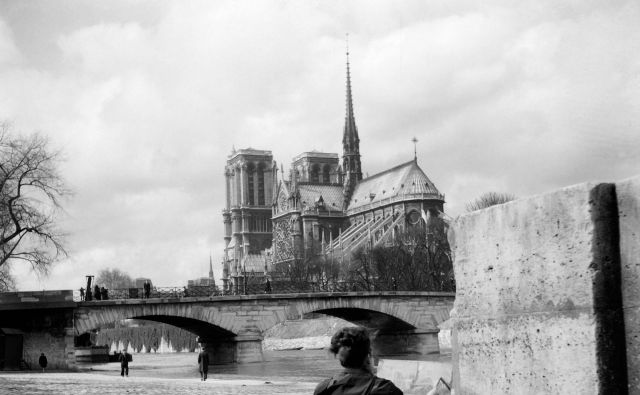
(415, 150)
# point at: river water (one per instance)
(287, 365)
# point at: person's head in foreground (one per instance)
(352, 347)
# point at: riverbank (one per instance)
(98, 383)
(282, 372)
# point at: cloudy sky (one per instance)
(147, 98)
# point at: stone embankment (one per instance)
(303, 334)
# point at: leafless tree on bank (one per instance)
(31, 190)
(419, 259)
(114, 279)
(7, 282)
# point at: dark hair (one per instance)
(352, 346)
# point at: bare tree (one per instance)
(30, 193)
(419, 259)
(7, 282)
(114, 279)
(489, 199)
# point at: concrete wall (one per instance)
(57, 347)
(628, 193)
(538, 306)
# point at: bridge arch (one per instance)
(232, 327)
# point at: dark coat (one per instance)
(42, 361)
(203, 361)
(356, 382)
(124, 359)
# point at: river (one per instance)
(287, 365)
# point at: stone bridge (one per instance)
(231, 328)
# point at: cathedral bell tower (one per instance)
(352, 169)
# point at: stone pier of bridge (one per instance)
(238, 349)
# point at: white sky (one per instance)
(147, 98)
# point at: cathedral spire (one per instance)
(350, 135)
(210, 267)
(350, 144)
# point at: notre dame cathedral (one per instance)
(324, 206)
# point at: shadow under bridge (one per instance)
(390, 335)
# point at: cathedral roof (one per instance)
(401, 181)
(331, 194)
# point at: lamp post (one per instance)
(89, 293)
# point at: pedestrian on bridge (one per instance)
(81, 294)
(267, 287)
(353, 348)
(203, 364)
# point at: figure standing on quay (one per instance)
(203, 364)
(42, 361)
(124, 363)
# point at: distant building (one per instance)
(323, 208)
(204, 281)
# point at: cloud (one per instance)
(520, 98)
(9, 53)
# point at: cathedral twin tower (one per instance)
(270, 221)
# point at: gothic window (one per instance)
(326, 176)
(261, 184)
(250, 181)
(283, 202)
(314, 177)
(414, 217)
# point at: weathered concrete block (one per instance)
(628, 193)
(414, 377)
(538, 305)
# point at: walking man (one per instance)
(203, 363)
(267, 287)
(124, 363)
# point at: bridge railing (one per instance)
(275, 287)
